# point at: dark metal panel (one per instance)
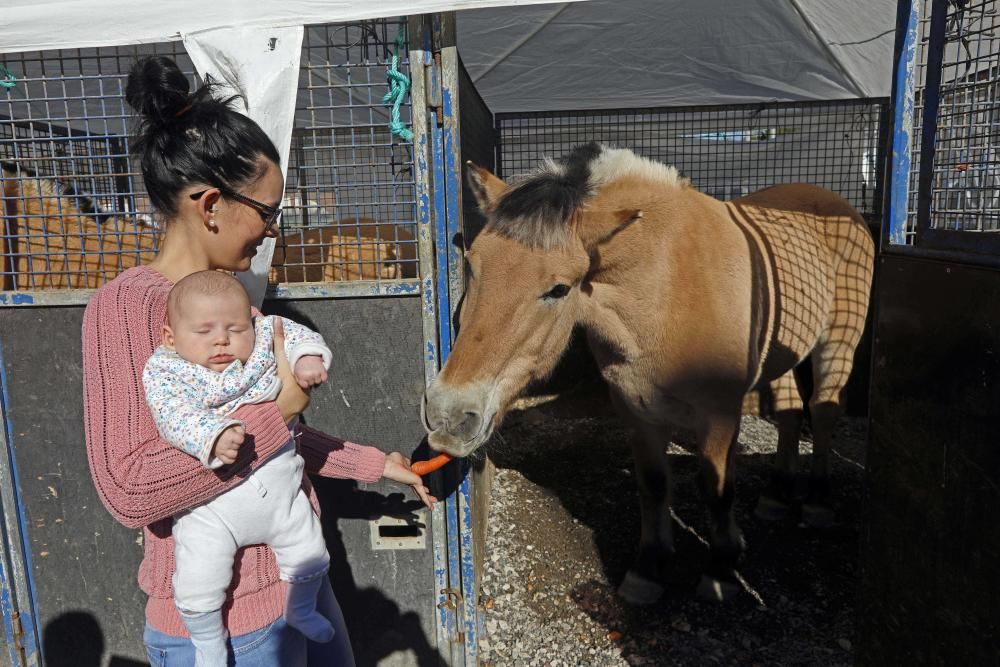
(930, 541)
(373, 397)
(478, 145)
(84, 563)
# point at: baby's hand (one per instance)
(309, 371)
(227, 445)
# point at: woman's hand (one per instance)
(292, 399)
(397, 468)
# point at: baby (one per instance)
(214, 358)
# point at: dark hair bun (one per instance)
(183, 138)
(157, 89)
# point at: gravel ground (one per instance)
(564, 525)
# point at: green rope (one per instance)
(399, 86)
(8, 79)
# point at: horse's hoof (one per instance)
(717, 590)
(770, 509)
(637, 589)
(817, 516)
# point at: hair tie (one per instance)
(182, 111)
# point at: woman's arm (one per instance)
(328, 456)
(139, 476)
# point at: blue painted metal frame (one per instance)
(430, 162)
(451, 134)
(455, 567)
(943, 244)
(904, 84)
(27, 610)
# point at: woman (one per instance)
(213, 176)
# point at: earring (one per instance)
(211, 222)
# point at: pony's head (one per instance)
(527, 287)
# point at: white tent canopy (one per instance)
(38, 25)
(607, 54)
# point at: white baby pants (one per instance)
(269, 507)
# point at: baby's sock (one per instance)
(208, 636)
(301, 614)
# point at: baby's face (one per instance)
(211, 330)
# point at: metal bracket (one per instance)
(454, 605)
(432, 85)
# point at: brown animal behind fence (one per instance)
(48, 242)
(351, 250)
(52, 240)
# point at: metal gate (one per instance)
(365, 256)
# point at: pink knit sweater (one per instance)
(143, 481)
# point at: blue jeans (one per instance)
(272, 645)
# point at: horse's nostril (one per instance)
(469, 424)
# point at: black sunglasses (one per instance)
(269, 214)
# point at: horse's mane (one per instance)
(538, 210)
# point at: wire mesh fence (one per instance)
(966, 170)
(726, 151)
(350, 193)
(75, 213)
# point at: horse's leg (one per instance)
(774, 503)
(717, 444)
(832, 362)
(656, 541)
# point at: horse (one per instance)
(53, 237)
(688, 303)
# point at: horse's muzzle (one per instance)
(454, 419)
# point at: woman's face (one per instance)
(239, 226)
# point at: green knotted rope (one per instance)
(7, 78)
(399, 86)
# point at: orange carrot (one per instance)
(424, 467)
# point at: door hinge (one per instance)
(432, 86)
(18, 627)
(454, 605)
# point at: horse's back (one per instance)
(807, 238)
(806, 205)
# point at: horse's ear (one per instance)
(597, 227)
(485, 186)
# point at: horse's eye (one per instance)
(557, 292)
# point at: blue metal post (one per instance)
(902, 121)
(423, 76)
(451, 129)
(18, 599)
